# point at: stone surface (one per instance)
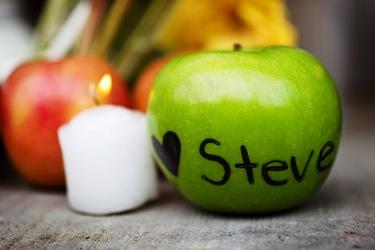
(340, 216)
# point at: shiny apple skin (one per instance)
(278, 106)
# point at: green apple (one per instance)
(245, 131)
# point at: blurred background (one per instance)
(339, 32)
(130, 34)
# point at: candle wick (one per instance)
(96, 101)
(92, 93)
(237, 47)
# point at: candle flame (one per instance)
(104, 86)
(100, 91)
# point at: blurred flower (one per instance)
(215, 24)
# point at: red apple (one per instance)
(143, 85)
(40, 96)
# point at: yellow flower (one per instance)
(217, 24)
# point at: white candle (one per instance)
(107, 160)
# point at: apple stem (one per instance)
(237, 47)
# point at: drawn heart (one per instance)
(169, 151)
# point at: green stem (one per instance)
(140, 41)
(108, 30)
(53, 14)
